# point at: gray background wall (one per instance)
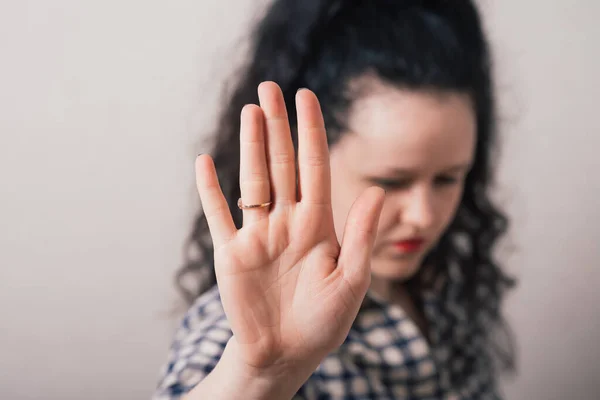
(102, 104)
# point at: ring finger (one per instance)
(254, 175)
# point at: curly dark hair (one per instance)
(322, 45)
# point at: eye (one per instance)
(391, 184)
(446, 180)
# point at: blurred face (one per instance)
(416, 145)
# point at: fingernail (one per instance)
(300, 89)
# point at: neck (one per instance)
(395, 292)
(387, 289)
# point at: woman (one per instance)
(327, 287)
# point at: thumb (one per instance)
(359, 236)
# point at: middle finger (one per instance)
(254, 175)
(280, 150)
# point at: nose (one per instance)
(418, 208)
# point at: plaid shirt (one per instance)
(384, 356)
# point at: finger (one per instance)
(214, 205)
(280, 150)
(313, 153)
(254, 174)
(359, 236)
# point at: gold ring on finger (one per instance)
(243, 206)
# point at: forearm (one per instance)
(230, 379)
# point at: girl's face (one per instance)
(419, 147)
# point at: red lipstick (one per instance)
(410, 245)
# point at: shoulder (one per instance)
(196, 348)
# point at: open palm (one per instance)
(290, 291)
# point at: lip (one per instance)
(412, 245)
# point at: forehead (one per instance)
(400, 128)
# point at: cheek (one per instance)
(389, 218)
(448, 205)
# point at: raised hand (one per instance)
(290, 291)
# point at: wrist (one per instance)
(279, 381)
(232, 378)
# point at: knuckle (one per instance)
(314, 160)
(255, 178)
(281, 158)
(313, 129)
(277, 119)
(252, 141)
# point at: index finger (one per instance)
(214, 205)
(314, 175)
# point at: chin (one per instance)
(396, 269)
